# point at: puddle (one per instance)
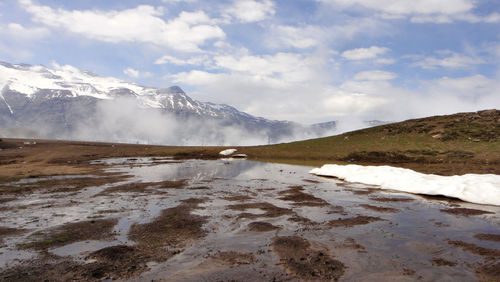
(402, 244)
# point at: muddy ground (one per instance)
(222, 220)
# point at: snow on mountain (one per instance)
(62, 100)
(64, 81)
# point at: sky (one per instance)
(307, 61)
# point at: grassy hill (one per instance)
(452, 144)
(459, 143)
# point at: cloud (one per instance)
(294, 36)
(345, 104)
(375, 75)
(21, 33)
(179, 1)
(452, 61)
(419, 11)
(364, 53)
(122, 120)
(247, 11)
(142, 24)
(469, 86)
(287, 66)
(406, 7)
(195, 60)
(135, 73)
(18, 41)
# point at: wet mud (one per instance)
(488, 237)
(378, 208)
(69, 233)
(260, 226)
(306, 263)
(149, 219)
(465, 211)
(353, 221)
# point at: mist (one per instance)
(122, 120)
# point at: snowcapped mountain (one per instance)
(65, 102)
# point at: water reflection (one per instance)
(406, 235)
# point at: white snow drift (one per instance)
(474, 188)
(227, 152)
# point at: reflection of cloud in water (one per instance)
(193, 170)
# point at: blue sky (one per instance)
(301, 60)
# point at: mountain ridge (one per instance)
(58, 102)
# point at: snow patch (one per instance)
(474, 188)
(227, 152)
(8, 106)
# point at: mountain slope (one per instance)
(451, 144)
(66, 102)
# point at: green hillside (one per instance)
(464, 142)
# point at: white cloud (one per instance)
(195, 60)
(405, 7)
(364, 53)
(453, 61)
(265, 85)
(131, 72)
(375, 75)
(179, 1)
(18, 41)
(470, 86)
(250, 10)
(420, 11)
(384, 61)
(141, 24)
(18, 32)
(282, 64)
(135, 73)
(297, 37)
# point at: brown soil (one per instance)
(442, 262)
(199, 188)
(46, 269)
(117, 262)
(378, 209)
(299, 258)
(488, 237)
(61, 185)
(363, 192)
(175, 227)
(237, 198)
(174, 184)
(5, 200)
(295, 194)
(485, 252)
(336, 209)
(386, 199)
(352, 244)
(302, 220)
(353, 221)
(112, 263)
(260, 226)
(232, 258)
(70, 233)
(465, 212)
(270, 210)
(408, 271)
(489, 271)
(311, 181)
(6, 231)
